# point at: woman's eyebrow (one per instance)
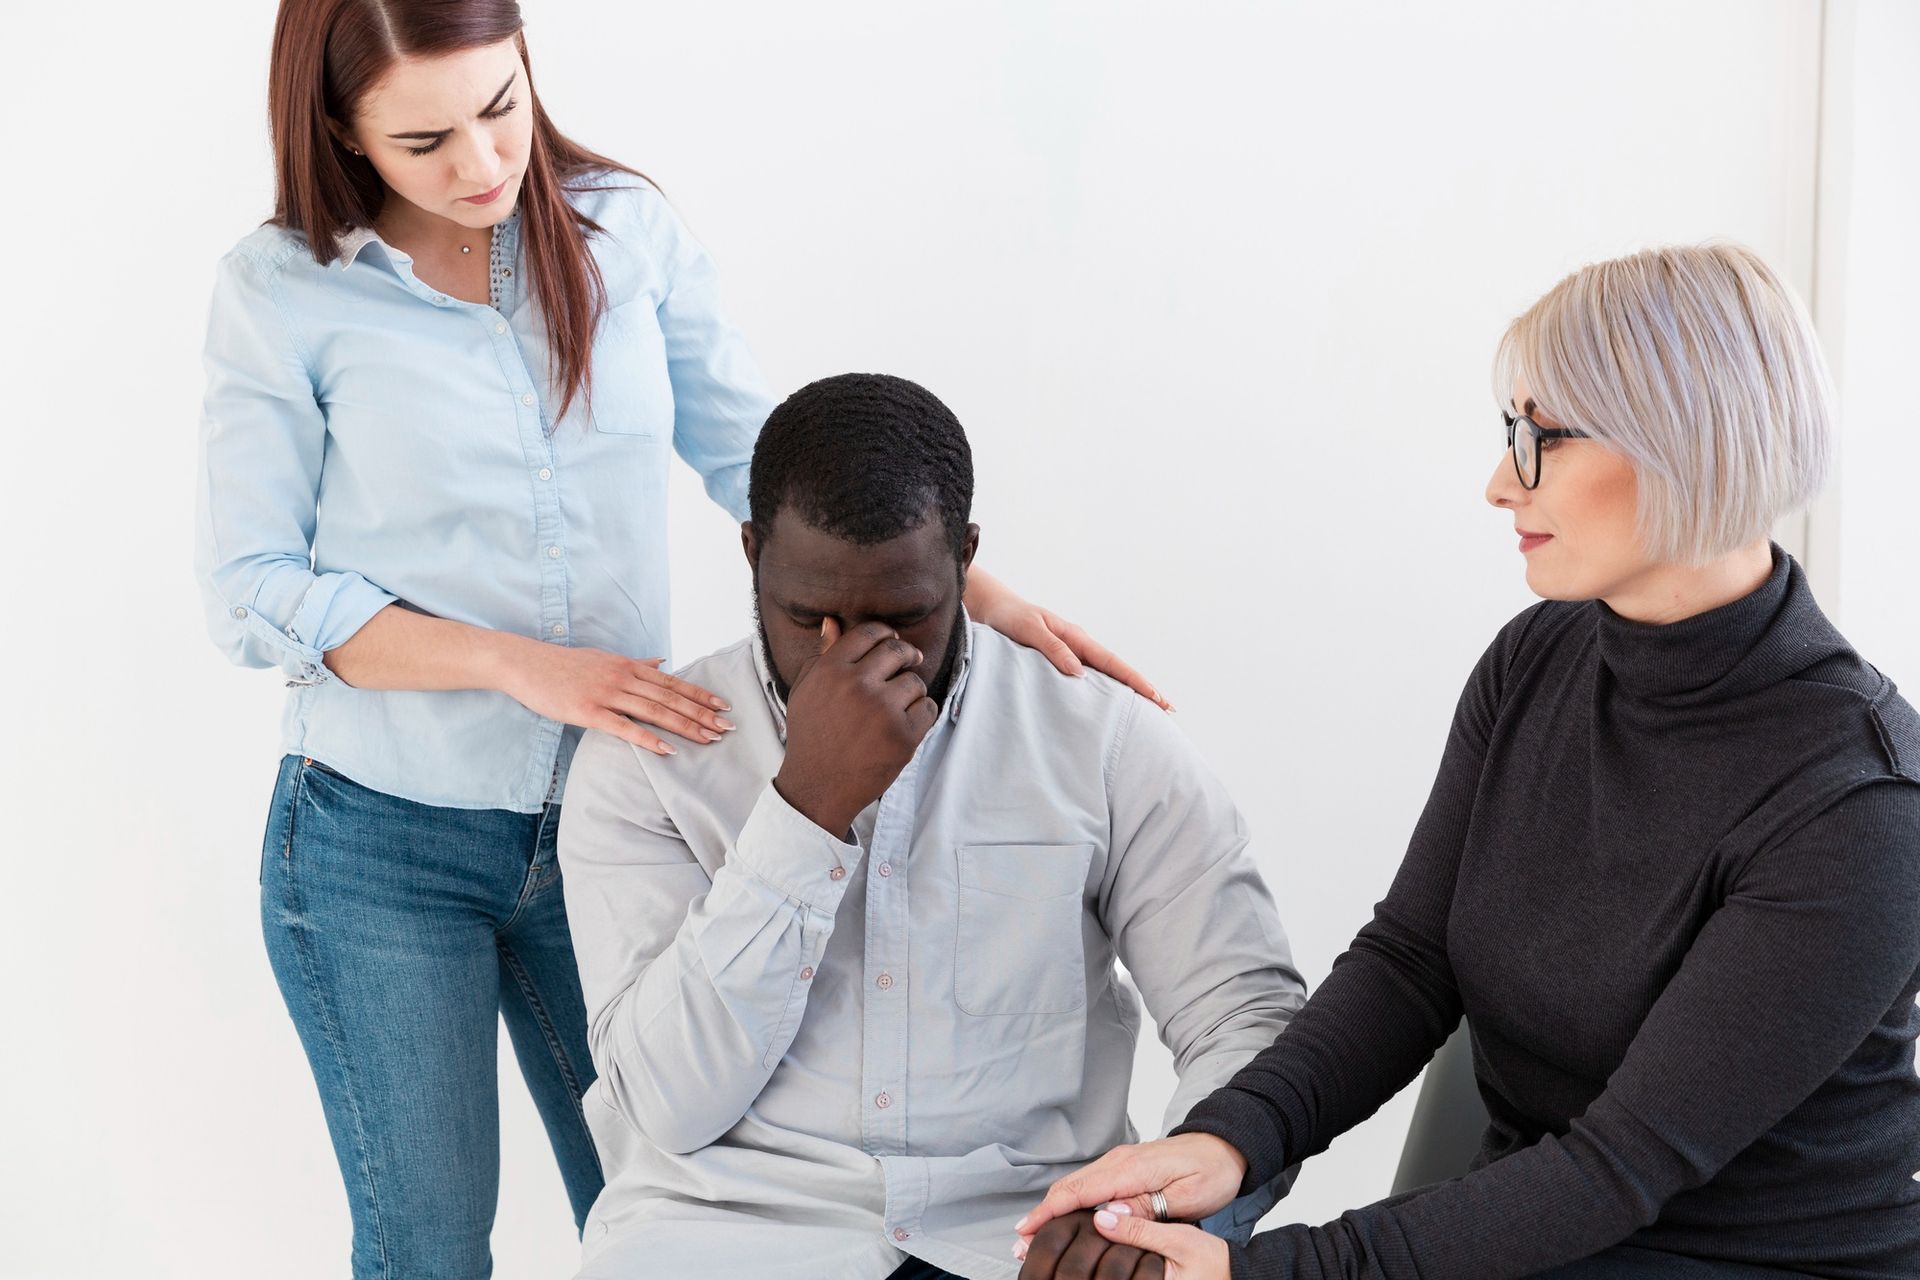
(423, 134)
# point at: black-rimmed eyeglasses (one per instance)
(1523, 442)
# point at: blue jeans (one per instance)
(400, 934)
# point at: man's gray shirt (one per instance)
(818, 1055)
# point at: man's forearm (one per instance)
(690, 1043)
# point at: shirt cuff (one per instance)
(326, 615)
(1236, 1222)
(791, 852)
(337, 605)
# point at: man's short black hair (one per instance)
(865, 457)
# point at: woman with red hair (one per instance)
(443, 379)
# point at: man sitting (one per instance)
(850, 971)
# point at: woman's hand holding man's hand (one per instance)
(1198, 1173)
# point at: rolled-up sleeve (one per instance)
(262, 441)
(720, 397)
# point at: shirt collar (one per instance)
(956, 693)
(357, 239)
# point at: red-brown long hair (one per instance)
(328, 54)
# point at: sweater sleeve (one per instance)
(1816, 943)
(1390, 1001)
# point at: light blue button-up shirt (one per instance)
(367, 439)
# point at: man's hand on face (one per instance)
(855, 716)
(1071, 1248)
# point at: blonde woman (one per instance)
(1670, 868)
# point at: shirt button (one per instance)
(500, 326)
(806, 972)
(901, 1233)
(527, 398)
(838, 873)
(553, 553)
(545, 473)
(884, 981)
(883, 1102)
(439, 297)
(239, 613)
(559, 628)
(885, 869)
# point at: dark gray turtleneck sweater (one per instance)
(1672, 876)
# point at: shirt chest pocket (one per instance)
(1019, 948)
(632, 387)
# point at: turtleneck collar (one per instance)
(1767, 635)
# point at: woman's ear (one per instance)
(343, 136)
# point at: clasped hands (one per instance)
(1097, 1223)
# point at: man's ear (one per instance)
(750, 543)
(970, 549)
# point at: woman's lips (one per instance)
(1532, 541)
(488, 197)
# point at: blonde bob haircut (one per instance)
(1698, 365)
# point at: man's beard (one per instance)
(956, 637)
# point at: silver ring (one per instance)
(1158, 1199)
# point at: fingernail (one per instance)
(721, 704)
(667, 749)
(723, 722)
(1106, 1219)
(1020, 1250)
(1022, 1224)
(1121, 1206)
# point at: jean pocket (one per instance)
(308, 762)
(277, 840)
(317, 795)
(1020, 948)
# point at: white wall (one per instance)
(1866, 528)
(1214, 288)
